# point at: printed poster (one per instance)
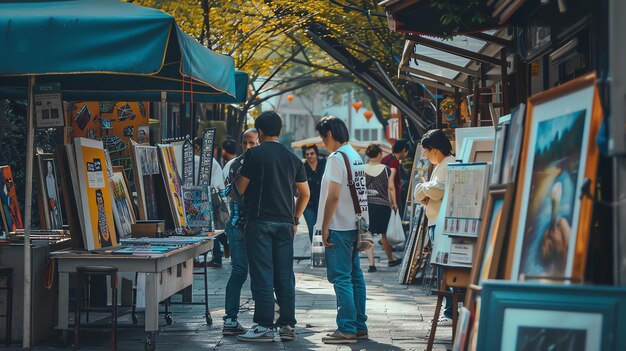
(10, 205)
(198, 208)
(173, 184)
(95, 194)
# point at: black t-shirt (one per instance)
(314, 177)
(273, 171)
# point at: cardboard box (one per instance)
(148, 229)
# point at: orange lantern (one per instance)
(368, 115)
(357, 105)
(290, 98)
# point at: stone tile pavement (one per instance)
(398, 315)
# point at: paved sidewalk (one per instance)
(398, 315)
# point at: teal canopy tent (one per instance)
(100, 47)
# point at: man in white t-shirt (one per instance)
(337, 221)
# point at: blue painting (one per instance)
(555, 168)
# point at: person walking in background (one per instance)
(381, 199)
(234, 232)
(337, 221)
(399, 152)
(229, 151)
(270, 177)
(438, 150)
(314, 167)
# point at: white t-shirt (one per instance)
(344, 217)
(226, 169)
(217, 178)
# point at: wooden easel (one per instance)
(455, 278)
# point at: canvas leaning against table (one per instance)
(95, 194)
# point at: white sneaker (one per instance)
(444, 322)
(287, 333)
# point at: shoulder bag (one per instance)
(364, 239)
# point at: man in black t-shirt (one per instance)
(314, 167)
(270, 177)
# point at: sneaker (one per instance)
(258, 334)
(372, 269)
(287, 333)
(395, 262)
(444, 322)
(212, 264)
(362, 335)
(339, 337)
(232, 327)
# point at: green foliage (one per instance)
(458, 16)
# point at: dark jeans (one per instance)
(270, 255)
(217, 248)
(447, 310)
(239, 272)
(310, 216)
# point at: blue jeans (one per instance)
(447, 310)
(270, 254)
(239, 272)
(217, 254)
(344, 272)
(310, 216)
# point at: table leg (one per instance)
(152, 302)
(63, 303)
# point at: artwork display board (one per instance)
(206, 157)
(145, 162)
(10, 206)
(412, 258)
(516, 316)
(95, 194)
(173, 184)
(554, 197)
(188, 169)
(198, 208)
(465, 189)
(49, 194)
(124, 213)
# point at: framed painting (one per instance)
(122, 204)
(493, 230)
(460, 134)
(554, 197)
(98, 224)
(145, 163)
(517, 316)
(513, 145)
(173, 184)
(8, 198)
(49, 194)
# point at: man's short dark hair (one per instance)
(306, 147)
(269, 123)
(436, 139)
(229, 146)
(400, 145)
(334, 125)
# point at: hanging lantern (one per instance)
(357, 105)
(368, 115)
(290, 98)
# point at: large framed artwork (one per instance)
(122, 204)
(145, 162)
(493, 231)
(554, 197)
(49, 191)
(516, 316)
(173, 184)
(8, 198)
(95, 194)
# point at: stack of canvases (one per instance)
(535, 231)
(413, 258)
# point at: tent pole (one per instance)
(30, 141)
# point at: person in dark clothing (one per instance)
(314, 167)
(399, 152)
(270, 177)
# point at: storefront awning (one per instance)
(427, 18)
(103, 46)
